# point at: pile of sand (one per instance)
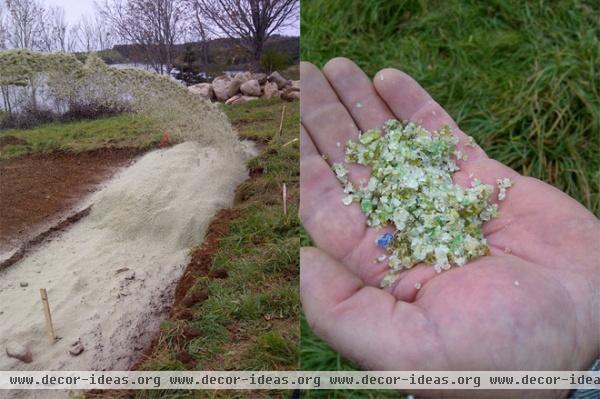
(111, 276)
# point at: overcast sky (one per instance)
(75, 8)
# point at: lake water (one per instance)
(173, 72)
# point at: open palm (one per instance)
(533, 304)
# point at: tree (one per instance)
(154, 25)
(200, 28)
(25, 19)
(253, 21)
(92, 34)
(3, 28)
(104, 37)
(86, 34)
(54, 30)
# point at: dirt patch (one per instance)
(29, 245)
(39, 187)
(200, 265)
(202, 258)
(5, 141)
(250, 121)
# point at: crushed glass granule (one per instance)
(384, 240)
(503, 184)
(411, 188)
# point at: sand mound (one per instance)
(110, 276)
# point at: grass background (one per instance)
(124, 130)
(521, 77)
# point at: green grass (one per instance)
(258, 120)
(521, 77)
(292, 72)
(250, 320)
(121, 131)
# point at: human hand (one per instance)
(533, 304)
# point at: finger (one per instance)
(412, 282)
(321, 200)
(323, 115)
(409, 101)
(365, 324)
(357, 93)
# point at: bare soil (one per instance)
(11, 140)
(41, 187)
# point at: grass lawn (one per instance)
(521, 77)
(250, 320)
(120, 131)
(259, 120)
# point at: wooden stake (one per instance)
(284, 199)
(46, 304)
(281, 122)
(290, 142)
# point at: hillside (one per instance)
(222, 52)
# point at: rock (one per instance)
(18, 351)
(24, 284)
(204, 90)
(290, 95)
(240, 99)
(251, 88)
(233, 99)
(277, 78)
(261, 77)
(220, 87)
(295, 85)
(243, 77)
(238, 80)
(76, 348)
(271, 90)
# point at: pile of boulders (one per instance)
(247, 86)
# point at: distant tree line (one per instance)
(151, 29)
(31, 24)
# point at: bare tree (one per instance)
(25, 18)
(54, 30)
(73, 38)
(200, 27)
(86, 34)
(153, 25)
(3, 27)
(104, 36)
(254, 21)
(90, 35)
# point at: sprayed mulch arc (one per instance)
(38, 188)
